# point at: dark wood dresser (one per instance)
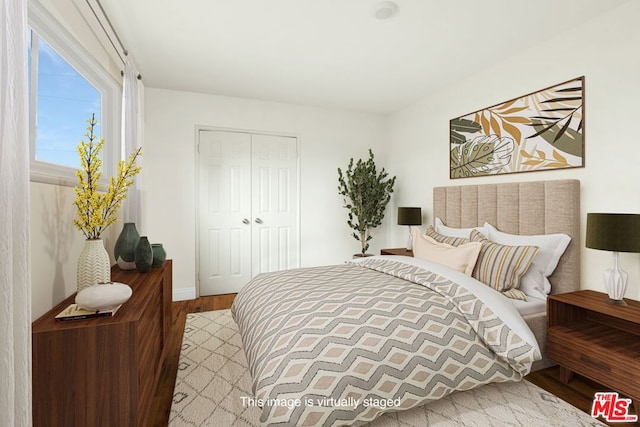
(103, 371)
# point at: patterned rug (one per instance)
(213, 388)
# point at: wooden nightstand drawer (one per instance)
(597, 340)
(603, 358)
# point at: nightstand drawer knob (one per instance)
(595, 364)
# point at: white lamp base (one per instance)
(410, 241)
(615, 281)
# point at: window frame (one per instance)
(45, 26)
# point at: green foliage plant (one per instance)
(367, 193)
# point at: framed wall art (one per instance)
(543, 130)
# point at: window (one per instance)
(66, 86)
(64, 101)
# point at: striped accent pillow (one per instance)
(441, 238)
(502, 266)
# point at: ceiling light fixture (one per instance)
(385, 10)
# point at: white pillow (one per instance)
(461, 258)
(458, 232)
(552, 246)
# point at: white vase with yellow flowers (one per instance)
(96, 209)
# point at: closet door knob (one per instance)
(245, 221)
(258, 221)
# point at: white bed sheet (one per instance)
(530, 307)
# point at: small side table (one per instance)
(597, 340)
(396, 251)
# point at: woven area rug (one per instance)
(213, 387)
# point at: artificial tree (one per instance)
(367, 193)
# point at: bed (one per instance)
(340, 345)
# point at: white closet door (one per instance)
(275, 240)
(248, 208)
(224, 211)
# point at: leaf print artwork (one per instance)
(484, 155)
(540, 131)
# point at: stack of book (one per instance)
(76, 312)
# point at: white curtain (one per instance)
(132, 137)
(15, 270)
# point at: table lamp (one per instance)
(617, 233)
(409, 216)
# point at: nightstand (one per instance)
(597, 340)
(396, 251)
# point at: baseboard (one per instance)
(183, 294)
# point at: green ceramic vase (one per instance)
(124, 251)
(159, 254)
(143, 255)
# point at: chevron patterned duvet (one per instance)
(340, 345)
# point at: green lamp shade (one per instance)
(409, 216)
(613, 232)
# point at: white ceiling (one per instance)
(332, 53)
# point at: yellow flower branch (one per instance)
(96, 211)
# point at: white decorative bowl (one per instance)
(103, 296)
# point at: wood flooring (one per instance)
(579, 392)
(159, 416)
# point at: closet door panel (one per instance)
(275, 203)
(224, 202)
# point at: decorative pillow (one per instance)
(449, 240)
(552, 246)
(502, 266)
(458, 232)
(462, 258)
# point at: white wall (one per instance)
(605, 51)
(328, 139)
(53, 246)
(56, 245)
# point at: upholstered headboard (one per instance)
(539, 207)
